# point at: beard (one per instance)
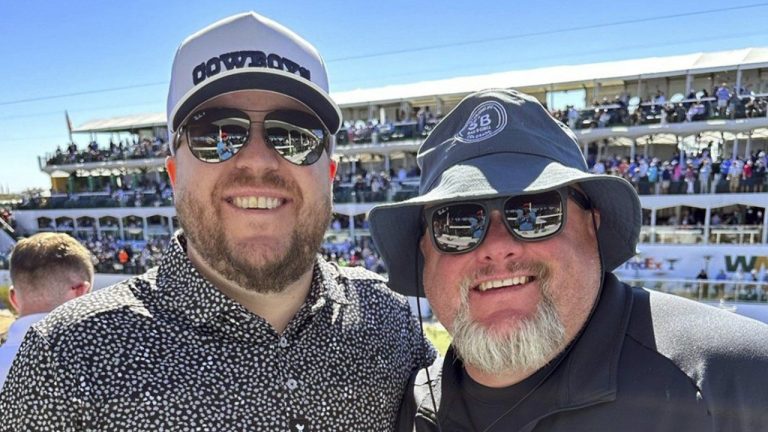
(527, 346)
(205, 231)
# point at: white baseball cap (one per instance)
(248, 52)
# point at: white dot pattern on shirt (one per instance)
(167, 351)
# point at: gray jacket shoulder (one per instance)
(688, 331)
(725, 355)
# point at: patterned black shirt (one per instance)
(167, 351)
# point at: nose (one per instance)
(499, 245)
(256, 154)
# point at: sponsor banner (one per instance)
(682, 261)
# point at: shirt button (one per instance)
(283, 342)
(291, 384)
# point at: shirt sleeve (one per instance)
(33, 397)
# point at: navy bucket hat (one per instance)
(500, 142)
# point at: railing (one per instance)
(684, 234)
(680, 187)
(95, 200)
(675, 110)
(384, 132)
(708, 289)
(348, 194)
(132, 152)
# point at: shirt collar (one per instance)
(327, 277)
(590, 371)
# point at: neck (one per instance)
(276, 308)
(34, 307)
(34, 312)
(497, 380)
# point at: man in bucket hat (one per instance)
(243, 327)
(544, 336)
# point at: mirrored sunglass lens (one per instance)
(534, 216)
(458, 227)
(218, 134)
(297, 136)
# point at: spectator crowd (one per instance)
(721, 102)
(112, 255)
(416, 125)
(371, 186)
(622, 110)
(738, 285)
(122, 150)
(133, 190)
(699, 173)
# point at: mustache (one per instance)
(246, 178)
(540, 270)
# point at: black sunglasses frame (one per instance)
(184, 131)
(498, 203)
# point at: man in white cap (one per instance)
(545, 338)
(243, 326)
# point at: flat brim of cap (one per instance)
(397, 228)
(272, 80)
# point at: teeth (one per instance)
(254, 202)
(485, 286)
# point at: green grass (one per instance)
(6, 317)
(4, 302)
(438, 336)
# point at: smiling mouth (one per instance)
(256, 202)
(499, 283)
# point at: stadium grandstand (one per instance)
(690, 132)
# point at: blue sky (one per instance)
(81, 47)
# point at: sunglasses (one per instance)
(460, 227)
(215, 135)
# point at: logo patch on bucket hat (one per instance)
(486, 120)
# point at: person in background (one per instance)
(47, 270)
(703, 285)
(721, 277)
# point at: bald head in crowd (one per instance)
(47, 270)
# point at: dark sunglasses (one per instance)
(215, 135)
(460, 227)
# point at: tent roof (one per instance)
(122, 123)
(651, 67)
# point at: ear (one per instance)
(81, 289)
(334, 167)
(596, 217)
(14, 299)
(424, 242)
(170, 166)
